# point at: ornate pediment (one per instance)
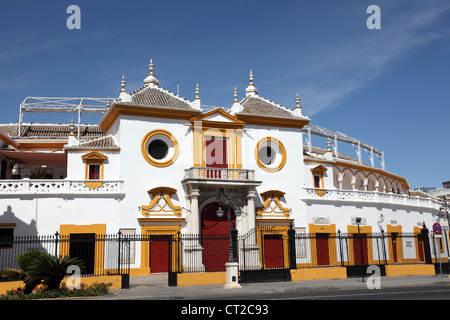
(161, 203)
(272, 206)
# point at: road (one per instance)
(437, 292)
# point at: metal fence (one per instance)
(262, 249)
(100, 254)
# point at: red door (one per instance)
(273, 251)
(323, 254)
(360, 249)
(421, 252)
(394, 246)
(216, 156)
(215, 237)
(159, 253)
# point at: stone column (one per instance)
(193, 261)
(249, 250)
(251, 195)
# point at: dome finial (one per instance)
(297, 100)
(197, 91)
(235, 94)
(151, 79)
(251, 90)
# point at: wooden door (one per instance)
(360, 249)
(322, 249)
(273, 251)
(215, 237)
(82, 246)
(394, 241)
(420, 248)
(159, 253)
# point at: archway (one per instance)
(215, 237)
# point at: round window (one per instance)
(159, 148)
(270, 154)
(267, 155)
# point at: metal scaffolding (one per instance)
(68, 105)
(334, 136)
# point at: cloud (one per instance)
(336, 70)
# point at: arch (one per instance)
(360, 181)
(347, 179)
(372, 182)
(381, 184)
(337, 183)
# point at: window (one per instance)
(6, 237)
(270, 154)
(94, 172)
(317, 179)
(159, 148)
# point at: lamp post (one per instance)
(232, 266)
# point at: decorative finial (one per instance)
(235, 94)
(108, 103)
(122, 84)
(151, 79)
(297, 100)
(197, 91)
(251, 90)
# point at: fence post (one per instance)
(234, 236)
(291, 247)
(120, 247)
(56, 243)
(426, 244)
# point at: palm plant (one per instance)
(51, 270)
(24, 260)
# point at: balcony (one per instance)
(357, 196)
(60, 187)
(220, 176)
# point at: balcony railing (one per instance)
(222, 174)
(368, 197)
(32, 186)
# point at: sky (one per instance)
(388, 87)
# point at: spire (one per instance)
(251, 90)
(151, 79)
(235, 94)
(197, 100)
(197, 91)
(236, 107)
(298, 109)
(123, 95)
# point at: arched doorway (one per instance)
(215, 237)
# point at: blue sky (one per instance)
(389, 87)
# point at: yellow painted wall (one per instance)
(319, 273)
(409, 270)
(190, 279)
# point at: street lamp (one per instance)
(232, 267)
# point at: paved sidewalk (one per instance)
(155, 287)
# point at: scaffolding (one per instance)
(334, 136)
(67, 105)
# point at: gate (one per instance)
(266, 254)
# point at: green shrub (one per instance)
(96, 289)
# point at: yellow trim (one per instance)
(318, 273)
(98, 229)
(270, 197)
(331, 229)
(168, 209)
(117, 110)
(399, 244)
(273, 122)
(283, 155)
(153, 229)
(93, 158)
(384, 174)
(149, 159)
(262, 230)
(351, 251)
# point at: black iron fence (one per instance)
(100, 254)
(264, 249)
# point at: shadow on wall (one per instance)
(9, 220)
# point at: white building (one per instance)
(156, 163)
